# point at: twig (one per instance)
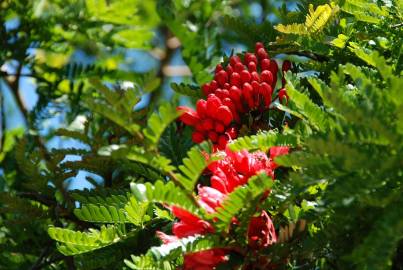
(179, 184)
(164, 61)
(312, 55)
(38, 264)
(3, 120)
(396, 25)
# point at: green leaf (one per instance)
(340, 41)
(194, 165)
(365, 11)
(166, 193)
(263, 141)
(187, 90)
(101, 213)
(73, 242)
(136, 211)
(377, 250)
(315, 21)
(239, 199)
(316, 116)
(114, 197)
(159, 121)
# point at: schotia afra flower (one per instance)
(245, 84)
(228, 173)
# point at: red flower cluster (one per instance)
(261, 232)
(211, 120)
(232, 171)
(237, 167)
(237, 88)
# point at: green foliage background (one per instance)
(343, 177)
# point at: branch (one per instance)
(38, 264)
(3, 121)
(179, 184)
(311, 55)
(171, 45)
(396, 25)
(14, 85)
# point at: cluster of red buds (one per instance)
(234, 170)
(211, 120)
(243, 85)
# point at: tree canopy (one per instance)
(174, 134)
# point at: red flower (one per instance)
(212, 119)
(236, 168)
(189, 116)
(204, 260)
(278, 151)
(165, 238)
(261, 232)
(210, 198)
(237, 88)
(189, 224)
(282, 96)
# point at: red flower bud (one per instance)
(267, 76)
(227, 86)
(265, 64)
(219, 127)
(197, 137)
(234, 59)
(230, 104)
(218, 68)
(229, 69)
(221, 77)
(255, 76)
(213, 136)
(239, 67)
(235, 93)
(189, 116)
(219, 93)
(262, 54)
(213, 86)
(206, 89)
(286, 66)
(250, 57)
(247, 92)
(208, 124)
(235, 79)
(252, 66)
(245, 76)
(199, 127)
(256, 93)
(222, 141)
(274, 70)
(258, 46)
(266, 91)
(201, 107)
(213, 102)
(224, 115)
